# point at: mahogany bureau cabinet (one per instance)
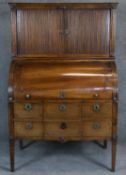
(63, 78)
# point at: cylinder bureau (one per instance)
(63, 77)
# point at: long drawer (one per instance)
(66, 130)
(59, 110)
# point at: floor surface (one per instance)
(70, 158)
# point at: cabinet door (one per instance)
(88, 31)
(39, 31)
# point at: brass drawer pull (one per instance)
(96, 125)
(29, 125)
(28, 106)
(62, 107)
(63, 125)
(27, 96)
(96, 107)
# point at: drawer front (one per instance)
(60, 111)
(97, 128)
(62, 130)
(28, 110)
(28, 129)
(97, 109)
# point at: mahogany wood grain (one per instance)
(48, 80)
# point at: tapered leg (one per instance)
(114, 143)
(12, 145)
(21, 144)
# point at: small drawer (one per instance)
(97, 109)
(28, 129)
(97, 128)
(28, 110)
(62, 130)
(62, 110)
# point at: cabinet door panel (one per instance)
(39, 31)
(88, 31)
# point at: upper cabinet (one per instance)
(63, 30)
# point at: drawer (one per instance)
(62, 110)
(102, 109)
(28, 110)
(59, 130)
(28, 129)
(97, 128)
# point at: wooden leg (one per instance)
(12, 144)
(105, 144)
(114, 143)
(21, 144)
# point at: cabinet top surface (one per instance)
(68, 4)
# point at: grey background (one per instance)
(54, 158)
(5, 58)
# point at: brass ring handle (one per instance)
(29, 125)
(62, 107)
(28, 106)
(63, 125)
(96, 125)
(96, 107)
